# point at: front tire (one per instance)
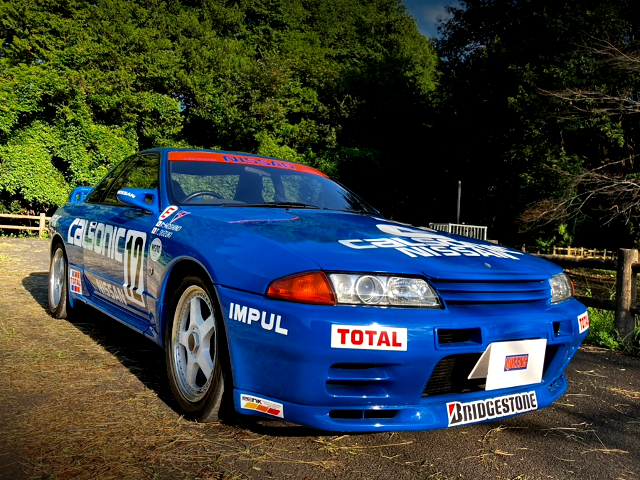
(194, 346)
(59, 284)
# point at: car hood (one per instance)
(342, 241)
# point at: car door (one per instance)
(116, 244)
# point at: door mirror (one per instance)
(147, 199)
(79, 194)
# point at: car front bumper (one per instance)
(286, 364)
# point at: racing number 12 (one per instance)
(133, 267)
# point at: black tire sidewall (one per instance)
(62, 309)
(207, 408)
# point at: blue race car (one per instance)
(276, 292)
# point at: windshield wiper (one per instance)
(285, 205)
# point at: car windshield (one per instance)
(212, 181)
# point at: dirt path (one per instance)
(89, 399)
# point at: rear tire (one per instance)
(59, 283)
(196, 353)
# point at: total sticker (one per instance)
(155, 249)
(75, 281)
(372, 337)
(583, 322)
(250, 402)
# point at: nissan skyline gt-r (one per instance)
(277, 292)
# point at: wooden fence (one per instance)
(42, 222)
(627, 268)
(572, 252)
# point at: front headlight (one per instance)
(561, 288)
(368, 289)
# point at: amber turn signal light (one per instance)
(313, 287)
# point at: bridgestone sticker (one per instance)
(250, 402)
(480, 410)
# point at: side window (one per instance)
(143, 172)
(100, 191)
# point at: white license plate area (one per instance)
(511, 364)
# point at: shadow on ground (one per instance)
(146, 360)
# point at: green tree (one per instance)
(517, 137)
(341, 84)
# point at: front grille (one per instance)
(469, 292)
(450, 376)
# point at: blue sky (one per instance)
(427, 12)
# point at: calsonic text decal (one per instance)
(268, 321)
(583, 322)
(75, 281)
(472, 412)
(372, 337)
(516, 362)
(420, 243)
(117, 243)
(261, 405)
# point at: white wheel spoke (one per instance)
(192, 370)
(195, 312)
(183, 339)
(206, 329)
(205, 363)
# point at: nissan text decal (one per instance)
(420, 243)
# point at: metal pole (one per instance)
(459, 195)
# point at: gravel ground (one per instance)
(89, 399)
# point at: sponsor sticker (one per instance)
(268, 321)
(171, 209)
(155, 249)
(583, 322)
(516, 362)
(373, 337)
(75, 281)
(117, 244)
(215, 157)
(263, 405)
(480, 410)
(417, 243)
(179, 215)
(126, 194)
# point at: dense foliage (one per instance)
(540, 115)
(532, 104)
(340, 84)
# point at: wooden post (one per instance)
(626, 295)
(41, 225)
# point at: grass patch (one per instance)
(603, 333)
